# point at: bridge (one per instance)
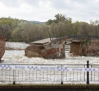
(54, 47)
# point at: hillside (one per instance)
(35, 22)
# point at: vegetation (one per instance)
(23, 31)
(84, 42)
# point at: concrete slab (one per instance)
(43, 41)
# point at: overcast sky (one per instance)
(43, 10)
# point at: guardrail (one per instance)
(83, 37)
(49, 73)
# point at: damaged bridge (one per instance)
(84, 45)
(53, 48)
(47, 48)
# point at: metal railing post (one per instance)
(61, 75)
(87, 73)
(13, 78)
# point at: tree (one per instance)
(5, 30)
(84, 29)
(60, 18)
(49, 22)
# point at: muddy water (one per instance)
(17, 57)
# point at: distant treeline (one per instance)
(22, 31)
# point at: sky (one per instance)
(43, 10)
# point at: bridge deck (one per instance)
(43, 41)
